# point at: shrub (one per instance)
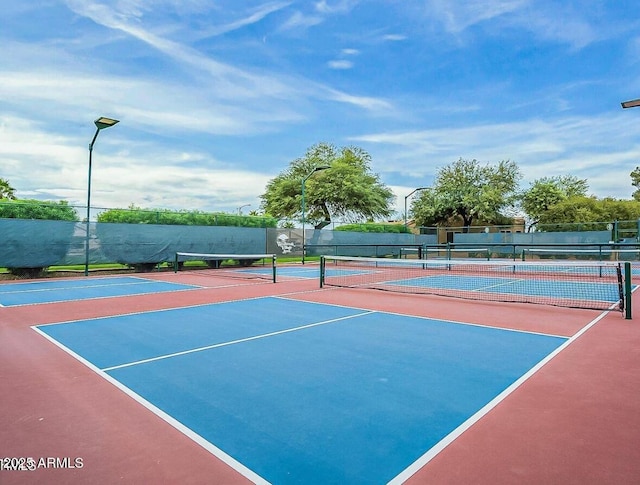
(37, 209)
(136, 215)
(374, 227)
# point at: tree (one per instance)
(470, 191)
(545, 192)
(6, 191)
(635, 181)
(347, 190)
(591, 210)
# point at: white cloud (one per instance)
(203, 98)
(337, 6)
(141, 174)
(459, 15)
(298, 20)
(394, 37)
(230, 81)
(340, 64)
(253, 17)
(575, 146)
(549, 21)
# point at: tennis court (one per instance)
(293, 383)
(308, 381)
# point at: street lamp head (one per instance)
(405, 202)
(319, 168)
(314, 170)
(631, 104)
(104, 122)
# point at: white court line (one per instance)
(80, 287)
(233, 342)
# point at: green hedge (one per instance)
(373, 227)
(37, 209)
(185, 218)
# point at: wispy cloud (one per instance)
(62, 162)
(340, 64)
(253, 17)
(233, 82)
(576, 26)
(299, 20)
(394, 37)
(366, 102)
(222, 94)
(337, 6)
(459, 15)
(541, 148)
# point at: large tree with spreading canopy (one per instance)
(470, 191)
(347, 189)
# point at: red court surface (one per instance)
(576, 420)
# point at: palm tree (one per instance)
(6, 191)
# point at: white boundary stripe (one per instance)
(82, 287)
(233, 342)
(447, 440)
(214, 450)
(54, 302)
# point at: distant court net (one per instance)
(599, 254)
(589, 284)
(245, 266)
(456, 253)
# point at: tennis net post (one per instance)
(627, 290)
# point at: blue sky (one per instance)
(216, 97)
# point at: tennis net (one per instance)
(586, 284)
(457, 253)
(247, 266)
(598, 254)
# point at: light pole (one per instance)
(631, 104)
(405, 202)
(240, 208)
(101, 123)
(304, 181)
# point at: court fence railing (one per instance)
(39, 243)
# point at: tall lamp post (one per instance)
(405, 202)
(304, 181)
(241, 207)
(101, 123)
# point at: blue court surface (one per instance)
(297, 392)
(607, 292)
(13, 294)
